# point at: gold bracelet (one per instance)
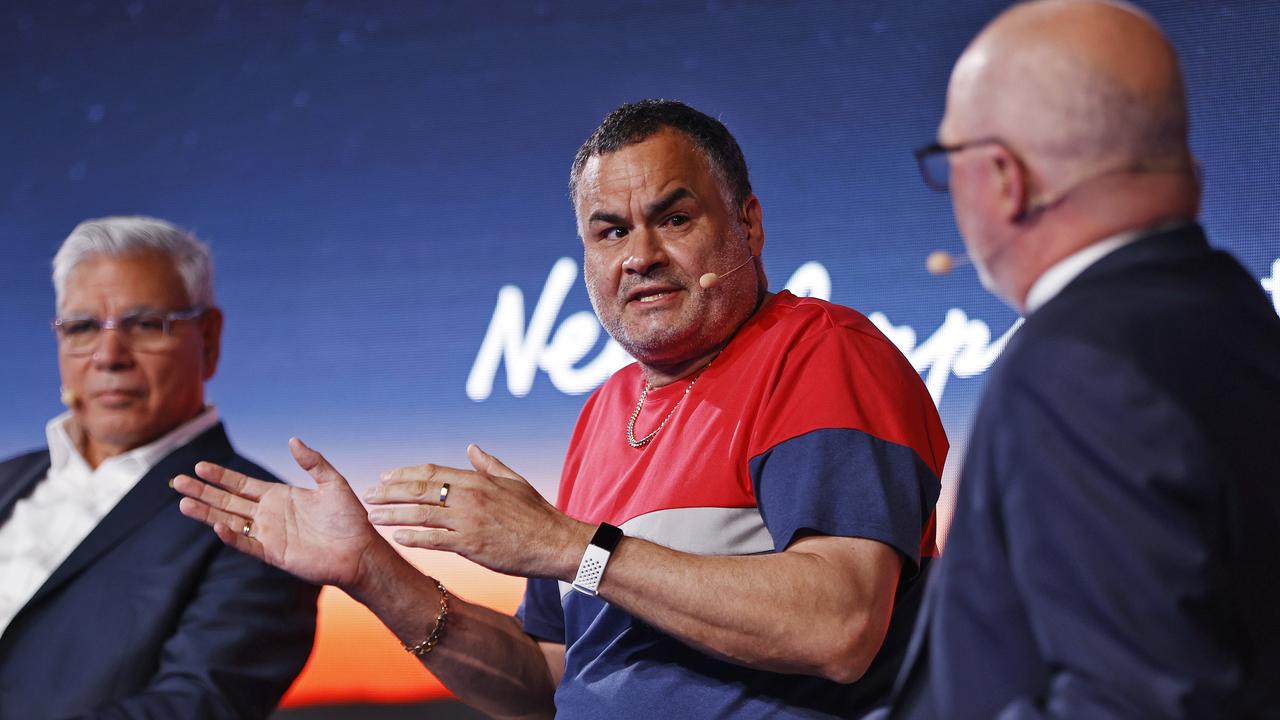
(426, 646)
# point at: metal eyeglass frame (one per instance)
(119, 324)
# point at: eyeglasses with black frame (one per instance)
(935, 163)
(143, 331)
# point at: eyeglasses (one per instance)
(935, 168)
(935, 163)
(144, 331)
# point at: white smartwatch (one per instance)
(594, 560)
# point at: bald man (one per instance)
(1114, 552)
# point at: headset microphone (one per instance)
(710, 280)
(69, 397)
(941, 262)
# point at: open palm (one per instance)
(321, 535)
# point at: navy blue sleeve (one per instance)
(843, 482)
(540, 611)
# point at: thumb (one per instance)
(314, 463)
(486, 463)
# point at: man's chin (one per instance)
(661, 348)
(121, 432)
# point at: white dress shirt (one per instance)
(52, 520)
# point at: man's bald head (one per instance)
(1082, 86)
(1067, 124)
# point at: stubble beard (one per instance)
(650, 344)
(692, 332)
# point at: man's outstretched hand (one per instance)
(322, 536)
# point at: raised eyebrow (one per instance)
(658, 207)
(607, 217)
(664, 203)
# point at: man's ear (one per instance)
(752, 218)
(211, 333)
(1009, 176)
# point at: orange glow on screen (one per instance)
(356, 659)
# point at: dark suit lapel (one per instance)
(20, 484)
(149, 496)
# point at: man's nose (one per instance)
(645, 252)
(110, 350)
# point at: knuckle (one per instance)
(418, 489)
(422, 514)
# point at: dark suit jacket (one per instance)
(1115, 551)
(152, 616)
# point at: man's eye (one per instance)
(678, 220)
(143, 324)
(614, 233)
(79, 327)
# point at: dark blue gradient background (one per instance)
(369, 176)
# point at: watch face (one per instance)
(607, 536)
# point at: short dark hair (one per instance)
(638, 121)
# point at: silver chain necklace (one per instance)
(638, 443)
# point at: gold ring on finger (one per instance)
(444, 494)
(247, 530)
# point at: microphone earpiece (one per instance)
(69, 396)
(941, 262)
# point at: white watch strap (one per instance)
(591, 569)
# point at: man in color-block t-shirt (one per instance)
(808, 423)
(745, 512)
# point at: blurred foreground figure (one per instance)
(1116, 548)
(113, 605)
(744, 512)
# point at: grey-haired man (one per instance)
(112, 604)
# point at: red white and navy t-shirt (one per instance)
(809, 422)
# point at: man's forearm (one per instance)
(484, 656)
(821, 608)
